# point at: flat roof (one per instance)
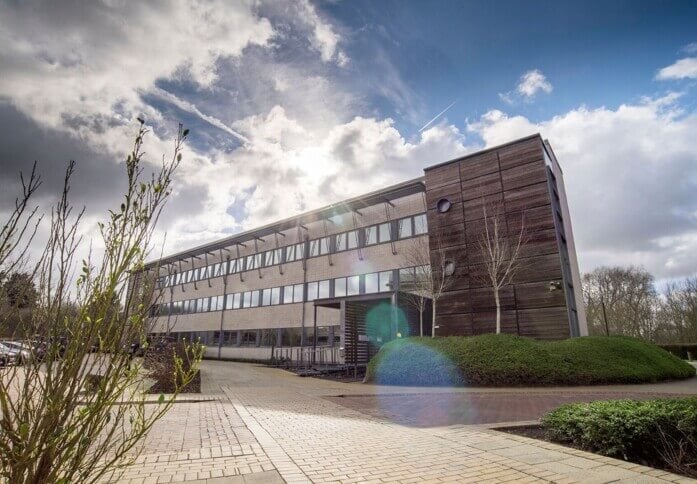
(486, 150)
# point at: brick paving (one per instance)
(265, 425)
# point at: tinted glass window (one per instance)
(323, 289)
(405, 228)
(371, 283)
(352, 285)
(340, 287)
(385, 233)
(371, 235)
(298, 293)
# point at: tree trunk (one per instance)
(421, 321)
(433, 319)
(498, 310)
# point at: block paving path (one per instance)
(265, 425)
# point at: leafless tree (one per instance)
(76, 410)
(621, 300)
(500, 251)
(434, 274)
(677, 314)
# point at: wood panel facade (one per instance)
(518, 180)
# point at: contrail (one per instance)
(437, 116)
(191, 108)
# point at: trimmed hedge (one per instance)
(507, 360)
(660, 432)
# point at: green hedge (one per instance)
(506, 360)
(641, 431)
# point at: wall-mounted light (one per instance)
(449, 268)
(554, 286)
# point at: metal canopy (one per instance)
(351, 205)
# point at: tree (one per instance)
(621, 300)
(18, 290)
(500, 251)
(78, 416)
(678, 311)
(433, 274)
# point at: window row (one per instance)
(367, 236)
(294, 293)
(282, 337)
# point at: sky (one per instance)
(293, 105)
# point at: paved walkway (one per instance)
(267, 425)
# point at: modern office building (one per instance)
(335, 283)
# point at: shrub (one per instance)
(498, 360)
(161, 361)
(660, 432)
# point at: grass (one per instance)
(507, 360)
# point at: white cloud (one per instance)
(690, 48)
(533, 82)
(630, 178)
(682, 69)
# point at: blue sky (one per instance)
(597, 53)
(294, 105)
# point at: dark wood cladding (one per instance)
(513, 177)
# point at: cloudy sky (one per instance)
(296, 104)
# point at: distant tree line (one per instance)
(625, 301)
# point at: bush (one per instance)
(659, 432)
(160, 361)
(507, 360)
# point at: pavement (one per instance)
(254, 424)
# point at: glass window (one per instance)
(406, 276)
(405, 228)
(312, 291)
(352, 239)
(287, 294)
(340, 287)
(247, 299)
(229, 338)
(322, 335)
(298, 293)
(290, 337)
(268, 258)
(324, 245)
(268, 337)
(249, 338)
(385, 232)
(276, 295)
(228, 301)
(323, 289)
(290, 253)
(340, 242)
(237, 301)
(420, 224)
(277, 256)
(371, 283)
(385, 281)
(314, 247)
(266, 297)
(353, 285)
(203, 304)
(255, 298)
(249, 262)
(300, 251)
(371, 235)
(257, 260)
(232, 267)
(216, 303)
